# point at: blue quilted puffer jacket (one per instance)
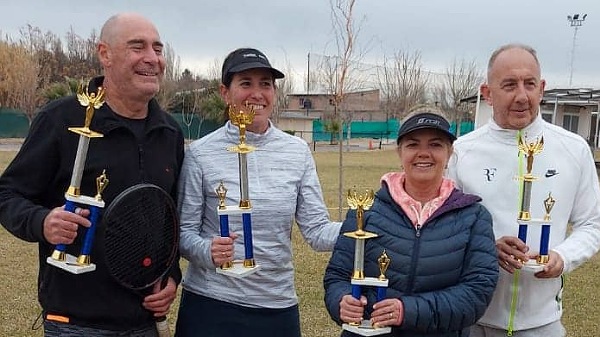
(444, 273)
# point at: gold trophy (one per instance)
(59, 257)
(240, 118)
(524, 218)
(361, 203)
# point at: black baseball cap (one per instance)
(244, 59)
(425, 120)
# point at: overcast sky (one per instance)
(201, 31)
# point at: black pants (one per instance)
(201, 316)
(54, 329)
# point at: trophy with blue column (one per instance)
(524, 219)
(361, 203)
(60, 258)
(239, 268)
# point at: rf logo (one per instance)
(490, 173)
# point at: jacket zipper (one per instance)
(413, 263)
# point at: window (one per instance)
(547, 117)
(301, 102)
(571, 122)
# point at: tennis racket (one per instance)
(141, 239)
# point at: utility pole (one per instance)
(576, 21)
(308, 74)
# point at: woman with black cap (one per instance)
(283, 186)
(440, 242)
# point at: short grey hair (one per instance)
(506, 47)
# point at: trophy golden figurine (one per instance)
(223, 218)
(361, 203)
(384, 262)
(524, 219)
(530, 150)
(240, 118)
(59, 257)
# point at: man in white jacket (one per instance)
(487, 162)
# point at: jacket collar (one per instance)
(105, 120)
(508, 136)
(257, 139)
(456, 200)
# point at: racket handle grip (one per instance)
(162, 327)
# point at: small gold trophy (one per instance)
(361, 203)
(240, 118)
(545, 236)
(59, 257)
(529, 150)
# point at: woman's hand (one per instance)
(351, 309)
(387, 312)
(221, 249)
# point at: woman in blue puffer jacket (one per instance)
(443, 267)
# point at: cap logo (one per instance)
(424, 120)
(254, 55)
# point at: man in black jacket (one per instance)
(141, 144)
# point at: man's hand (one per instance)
(511, 253)
(553, 268)
(60, 226)
(161, 299)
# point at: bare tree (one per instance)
(166, 97)
(403, 83)
(18, 79)
(214, 69)
(199, 99)
(55, 65)
(81, 59)
(345, 37)
(461, 80)
(48, 51)
(285, 86)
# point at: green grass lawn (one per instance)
(18, 264)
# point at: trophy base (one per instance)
(71, 265)
(370, 282)
(532, 266)
(238, 270)
(366, 329)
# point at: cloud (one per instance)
(205, 30)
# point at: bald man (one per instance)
(141, 143)
(528, 302)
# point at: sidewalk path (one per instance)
(10, 144)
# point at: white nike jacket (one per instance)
(486, 163)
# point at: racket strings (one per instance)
(140, 239)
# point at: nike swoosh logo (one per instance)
(550, 174)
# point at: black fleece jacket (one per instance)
(36, 181)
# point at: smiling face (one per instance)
(514, 88)
(256, 88)
(131, 54)
(424, 154)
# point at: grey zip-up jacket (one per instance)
(283, 185)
